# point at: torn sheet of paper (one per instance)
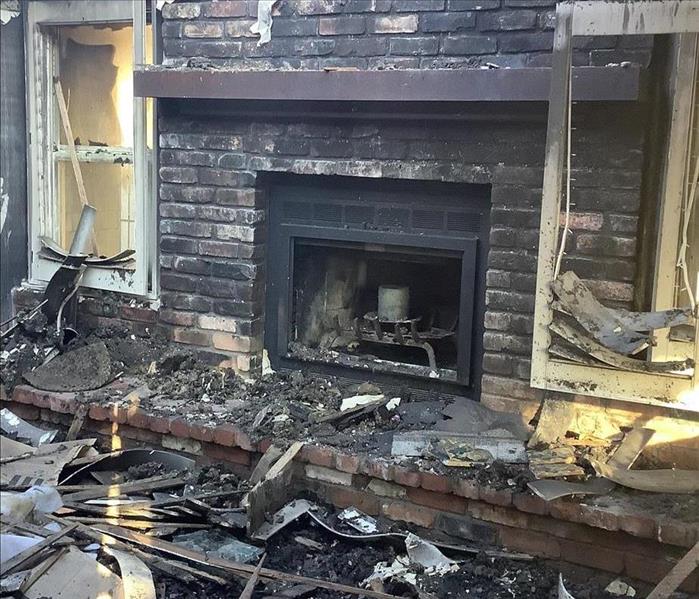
(399, 569)
(358, 520)
(263, 26)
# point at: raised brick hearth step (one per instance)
(636, 543)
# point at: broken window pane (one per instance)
(109, 188)
(95, 67)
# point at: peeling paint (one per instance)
(160, 3)
(9, 9)
(263, 26)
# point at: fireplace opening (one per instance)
(372, 301)
(378, 277)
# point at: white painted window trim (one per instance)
(683, 86)
(43, 128)
(597, 18)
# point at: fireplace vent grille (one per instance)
(406, 216)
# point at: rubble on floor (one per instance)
(164, 531)
(207, 532)
(439, 433)
(33, 345)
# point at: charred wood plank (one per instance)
(677, 575)
(147, 484)
(252, 581)
(175, 569)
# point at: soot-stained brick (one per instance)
(514, 33)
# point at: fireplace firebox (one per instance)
(380, 276)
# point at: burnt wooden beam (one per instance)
(614, 83)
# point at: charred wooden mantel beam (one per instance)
(614, 83)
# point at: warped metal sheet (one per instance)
(12, 424)
(576, 299)
(136, 577)
(653, 481)
(549, 490)
(591, 346)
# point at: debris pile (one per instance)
(152, 519)
(26, 349)
(565, 461)
(587, 332)
(146, 523)
(90, 360)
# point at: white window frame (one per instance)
(43, 131)
(597, 18)
(683, 86)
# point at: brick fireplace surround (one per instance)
(213, 210)
(212, 219)
(215, 164)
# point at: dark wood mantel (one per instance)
(614, 83)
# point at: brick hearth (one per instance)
(635, 543)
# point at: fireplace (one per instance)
(378, 276)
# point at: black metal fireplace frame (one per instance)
(470, 248)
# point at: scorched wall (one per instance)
(213, 209)
(214, 159)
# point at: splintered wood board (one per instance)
(555, 470)
(677, 575)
